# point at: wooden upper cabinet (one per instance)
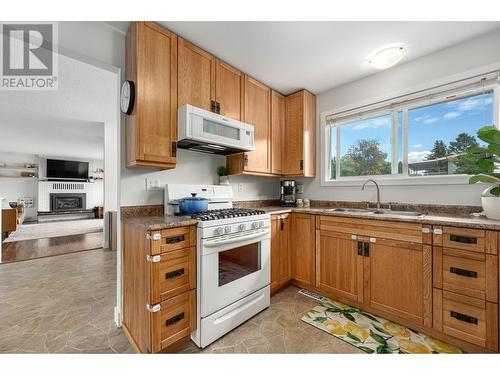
(278, 114)
(196, 77)
(256, 111)
(151, 63)
(300, 135)
(228, 82)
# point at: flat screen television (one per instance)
(67, 169)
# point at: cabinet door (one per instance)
(152, 65)
(285, 269)
(300, 134)
(340, 260)
(228, 90)
(303, 248)
(196, 78)
(275, 252)
(257, 112)
(277, 131)
(398, 277)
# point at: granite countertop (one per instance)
(159, 222)
(432, 218)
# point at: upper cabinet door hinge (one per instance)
(245, 160)
(153, 259)
(174, 148)
(153, 308)
(302, 165)
(154, 237)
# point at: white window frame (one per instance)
(396, 179)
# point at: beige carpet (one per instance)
(55, 229)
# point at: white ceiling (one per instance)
(317, 55)
(68, 122)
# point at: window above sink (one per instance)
(411, 140)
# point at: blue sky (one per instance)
(425, 125)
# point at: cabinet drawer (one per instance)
(466, 272)
(174, 274)
(471, 274)
(175, 321)
(173, 239)
(391, 230)
(461, 238)
(469, 319)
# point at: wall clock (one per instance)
(127, 97)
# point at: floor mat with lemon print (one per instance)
(371, 333)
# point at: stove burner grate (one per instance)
(226, 214)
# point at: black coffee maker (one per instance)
(288, 193)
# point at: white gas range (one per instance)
(233, 260)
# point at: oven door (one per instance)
(232, 268)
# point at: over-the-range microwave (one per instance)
(205, 131)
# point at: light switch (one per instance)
(240, 187)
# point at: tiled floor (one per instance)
(278, 329)
(64, 304)
(60, 304)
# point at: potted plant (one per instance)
(223, 177)
(488, 162)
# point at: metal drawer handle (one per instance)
(174, 319)
(463, 239)
(462, 272)
(360, 248)
(174, 274)
(176, 239)
(463, 317)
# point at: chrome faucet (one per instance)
(378, 191)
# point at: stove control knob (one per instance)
(255, 225)
(227, 229)
(242, 227)
(219, 230)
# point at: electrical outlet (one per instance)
(240, 187)
(152, 183)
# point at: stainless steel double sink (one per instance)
(380, 212)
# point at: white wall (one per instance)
(13, 189)
(192, 168)
(471, 55)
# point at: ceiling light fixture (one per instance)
(387, 57)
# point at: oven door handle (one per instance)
(236, 239)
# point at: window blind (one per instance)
(469, 86)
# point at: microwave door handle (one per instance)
(236, 239)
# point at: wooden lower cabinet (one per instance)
(159, 287)
(303, 249)
(173, 324)
(466, 318)
(389, 269)
(398, 279)
(280, 251)
(340, 265)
